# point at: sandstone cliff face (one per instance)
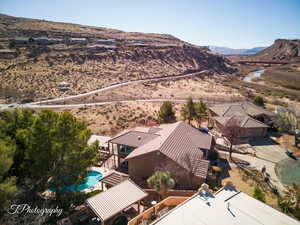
(282, 49)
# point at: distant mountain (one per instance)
(282, 49)
(233, 51)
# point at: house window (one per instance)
(125, 150)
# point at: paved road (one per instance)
(38, 103)
(34, 106)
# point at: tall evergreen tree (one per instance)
(200, 111)
(7, 184)
(188, 110)
(51, 149)
(166, 113)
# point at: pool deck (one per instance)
(105, 172)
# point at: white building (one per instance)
(228, 206)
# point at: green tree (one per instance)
(7, 184)
(259, 194)
(12, 124)
(258, 100)
(166, 113)
(200, 111)
(58, 151)
(51, 149)
(161, 181)
(188, 110)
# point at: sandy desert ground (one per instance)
(208, 88)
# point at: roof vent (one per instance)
(203, 189)
(139, 138)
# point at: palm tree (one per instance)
(200, 111)
(161, 181)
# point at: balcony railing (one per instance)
(157, 211)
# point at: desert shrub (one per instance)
(259, 194)
(258, 100)
(285, 205)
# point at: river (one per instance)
(253, 75)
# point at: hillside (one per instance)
(76, 60)
(234, 51)
(282, 49)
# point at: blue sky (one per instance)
(231, 23)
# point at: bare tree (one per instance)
(232, 132)
(288, 121)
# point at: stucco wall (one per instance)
(247, 132)
(142, 167)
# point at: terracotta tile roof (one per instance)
(181, 143)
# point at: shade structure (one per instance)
(109, 203)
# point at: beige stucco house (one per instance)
(253, 119)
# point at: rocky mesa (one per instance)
(44, 59)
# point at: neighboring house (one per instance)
(22, 41)
(64, 84)
(254, 119)
(72, 41)
(178, 148)
(250, 127)
(228, 206)
(7, 53)
(105, 41)
(47, 41)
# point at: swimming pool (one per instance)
(93, 177)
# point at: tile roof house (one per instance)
(177, 147)
(252, 118)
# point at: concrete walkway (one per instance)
(268, 153)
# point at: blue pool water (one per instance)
(93, 177)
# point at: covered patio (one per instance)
(111, 203)
(113, 179)
(126, 142)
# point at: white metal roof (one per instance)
(114, 200)
(102, 140)
(227, 207)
